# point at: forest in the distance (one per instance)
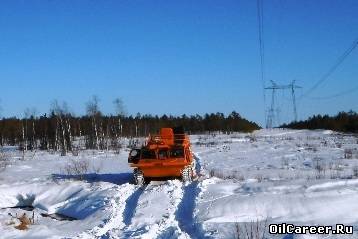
(343, 122)
(60, 129)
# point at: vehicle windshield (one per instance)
(163, 154)
(148, 154)
(177, 153)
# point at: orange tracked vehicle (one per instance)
(167, 154)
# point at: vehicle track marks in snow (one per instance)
(177, 222)
(115, 220)
(185, 212)
(131, 205)
(168, 224)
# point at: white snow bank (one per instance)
(72, 199)
(323, 207)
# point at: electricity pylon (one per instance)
(271, 116)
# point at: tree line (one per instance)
(343, 122)
(61, 130)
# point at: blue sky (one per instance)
(174, 57)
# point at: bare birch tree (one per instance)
(30, 118)
(63, 127)
(120, 111)
(92, 108)
(24, 133)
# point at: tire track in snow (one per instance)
(177, 222)
(115, 220)
(186, 209)
(129, 212)
(167, 224)
(131, 205)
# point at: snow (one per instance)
(291, 176)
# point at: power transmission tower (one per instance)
(293, 87)
(272, 116)
(271, 110)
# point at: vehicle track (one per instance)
(185, 214)
(178, 221)
(168, 224)
(131, 205)
(114, 221)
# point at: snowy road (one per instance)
(177, 220)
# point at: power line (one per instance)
(342, 93)
(339, 61)
(261, 39)
(259, 5)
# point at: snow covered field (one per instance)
(271, 176)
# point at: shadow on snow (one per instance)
(120, 178)
(131, 205)
(185, 213)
